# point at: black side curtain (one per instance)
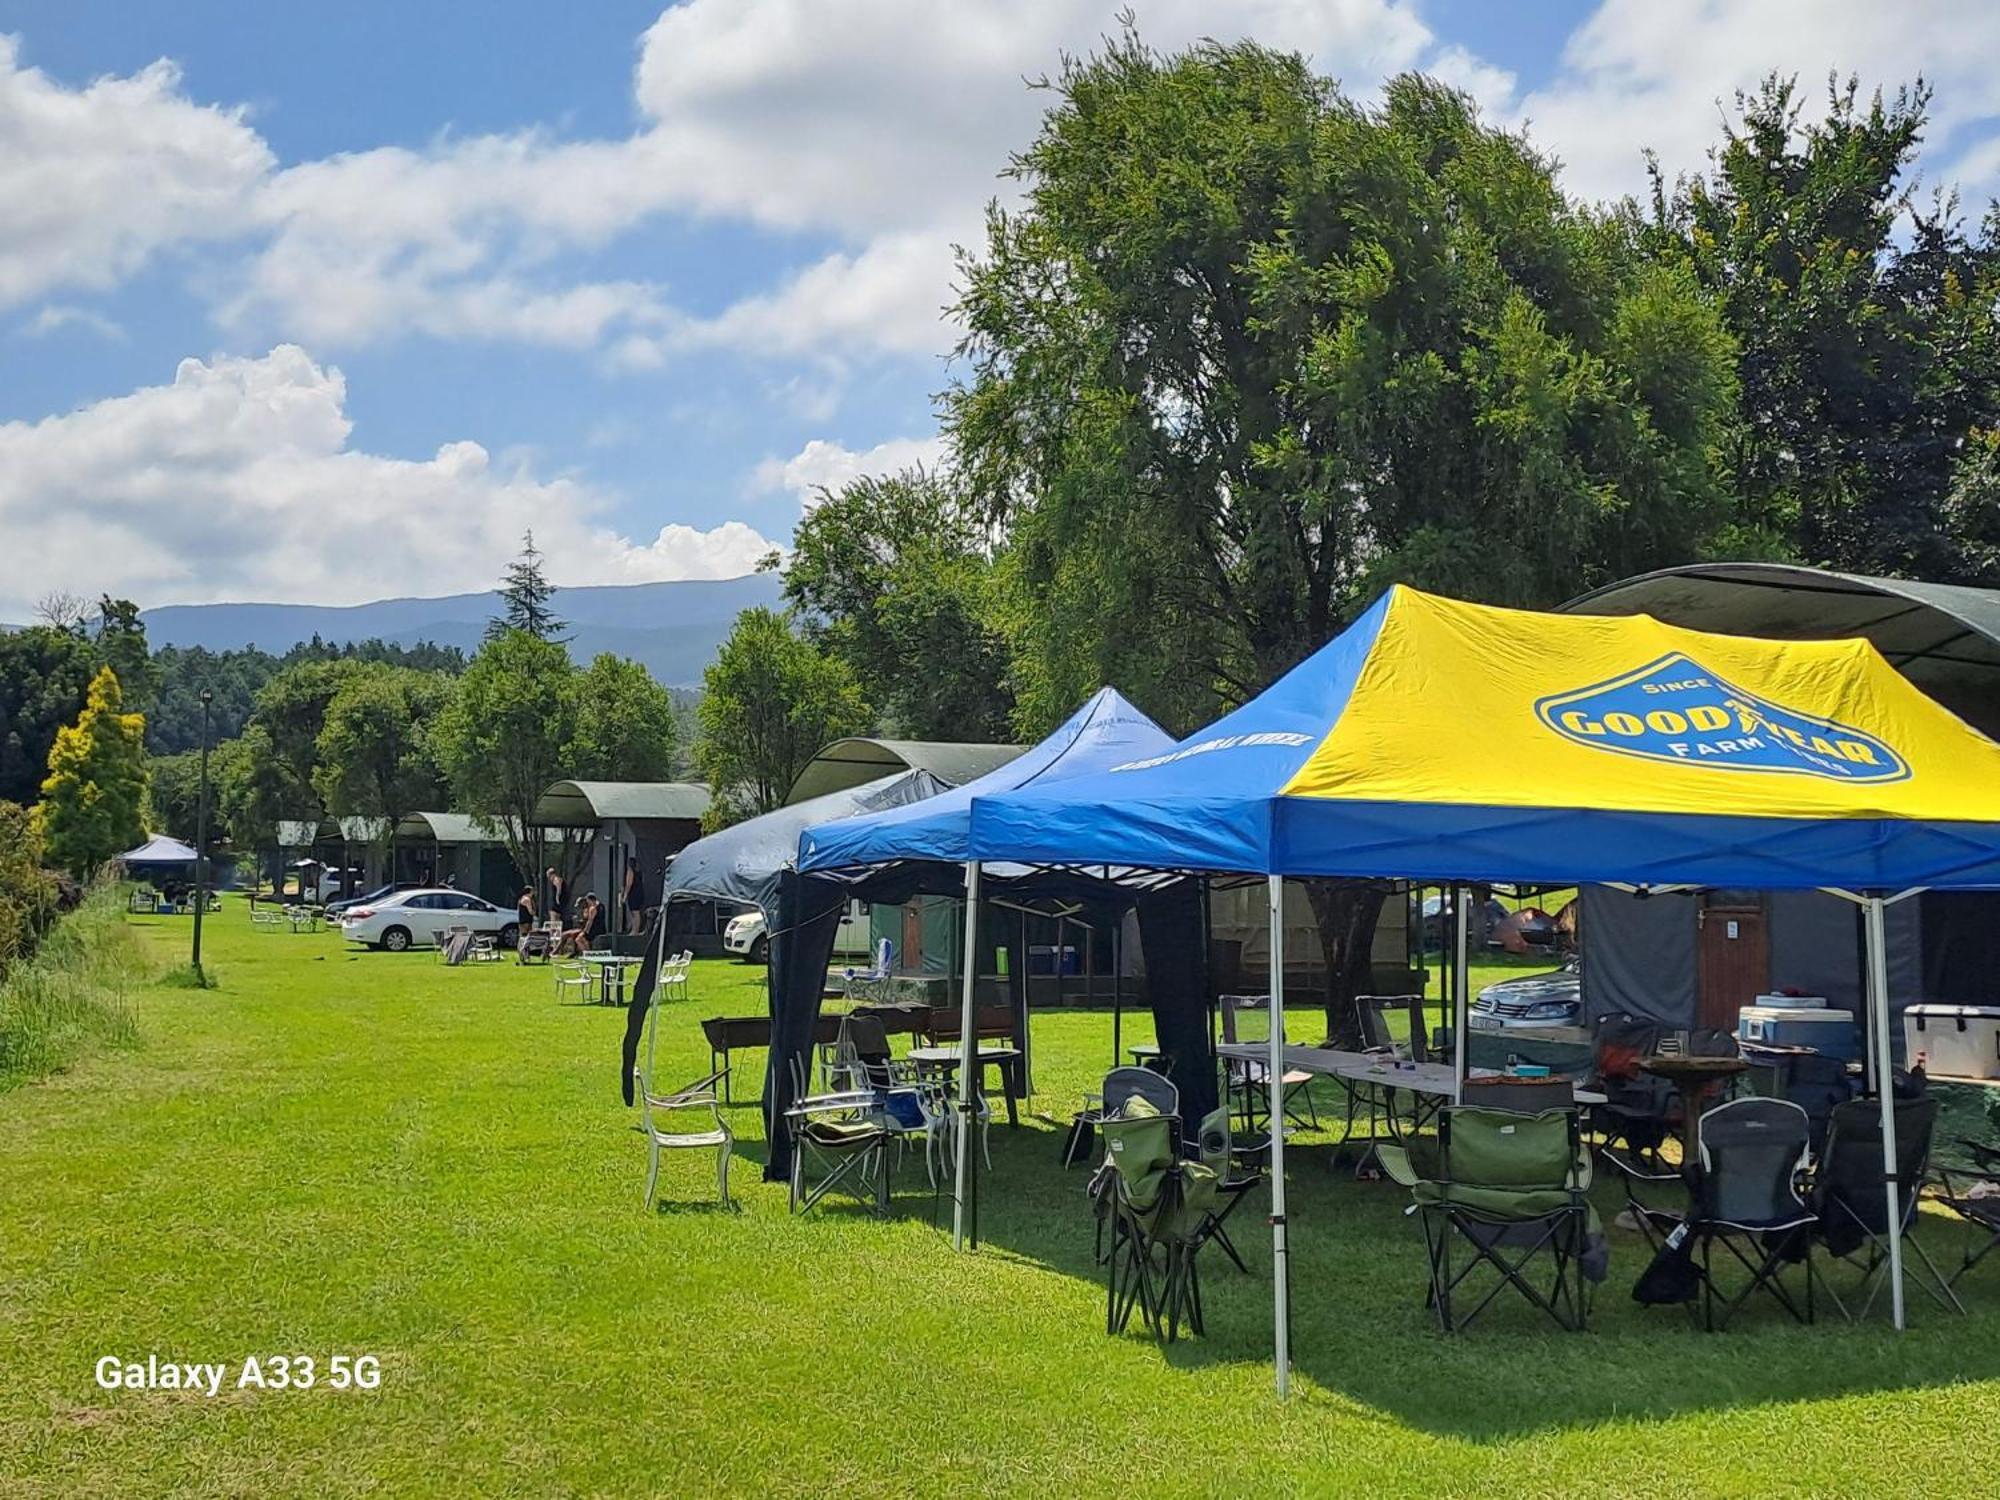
(802, 934)
(1170, 930)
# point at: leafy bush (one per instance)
(27, 891)
(74, 993)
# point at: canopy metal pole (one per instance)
(1461, 984)
(1118, 990)
(1280, 1278)
(967, 1059)
(1878, 1004)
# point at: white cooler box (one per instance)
(1830, 1032)
(1960, 1040)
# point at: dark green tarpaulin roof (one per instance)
(1944, 637)
(851, 762)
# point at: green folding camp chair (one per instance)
(1513, 1188)
(1157, 1206)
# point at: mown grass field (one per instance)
(339, 1152)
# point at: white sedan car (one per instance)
(413, 919)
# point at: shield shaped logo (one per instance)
(1677, 710)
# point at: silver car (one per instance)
(1551, 999)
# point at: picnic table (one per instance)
(947, 1060)
(611, 969)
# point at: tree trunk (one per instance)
(1346, 911)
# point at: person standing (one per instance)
(558, 907)
(635, 896)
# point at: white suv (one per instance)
(746, 934)
(413, 919)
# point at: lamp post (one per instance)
(201, 835)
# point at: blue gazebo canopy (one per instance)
(1106, 731)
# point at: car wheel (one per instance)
(397, 940)
(510, 935)
(760, 951)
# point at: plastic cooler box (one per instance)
(1962, 1041)
(1831, 1033)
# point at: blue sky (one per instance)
(326, 303)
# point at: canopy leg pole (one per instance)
(1118, 990)
(1280, 1268)
(967, 1060)
(1878, 1020)
(1461, 985)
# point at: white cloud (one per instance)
(827, 465)
(888, 123)
(881, 123)
(870, 115)
(56, 316)
(97, 180)
(1640, 74)
(236, 481)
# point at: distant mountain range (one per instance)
(673, 628)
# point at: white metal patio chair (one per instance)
(573, 977)
(688, 1119)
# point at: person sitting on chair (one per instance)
(589, 928)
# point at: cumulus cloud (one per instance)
(98, 180)
(880, 124)
(1638, 74)
(826, 465)
(236, 481)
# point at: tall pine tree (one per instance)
(526, 598)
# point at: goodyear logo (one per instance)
(1678, 710)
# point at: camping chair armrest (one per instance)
(1622, 1164)
(1396, 1164)
(1950, 1178)
(833, 1104)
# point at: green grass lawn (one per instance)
(344, 1152)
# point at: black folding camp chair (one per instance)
(1635, 1115)
(1744, 1196)
(1513, 1188)
(1248, 1083)
(1974, 1195)
(844, 1138)
(1852, 1200)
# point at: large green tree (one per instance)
(45, 672)
(375, 756)
(1250, 351)
(625, 724)
(94, 796)
(291, 714)
(1870, 352)
(896, 576)
(506, 736)
(770, 700)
